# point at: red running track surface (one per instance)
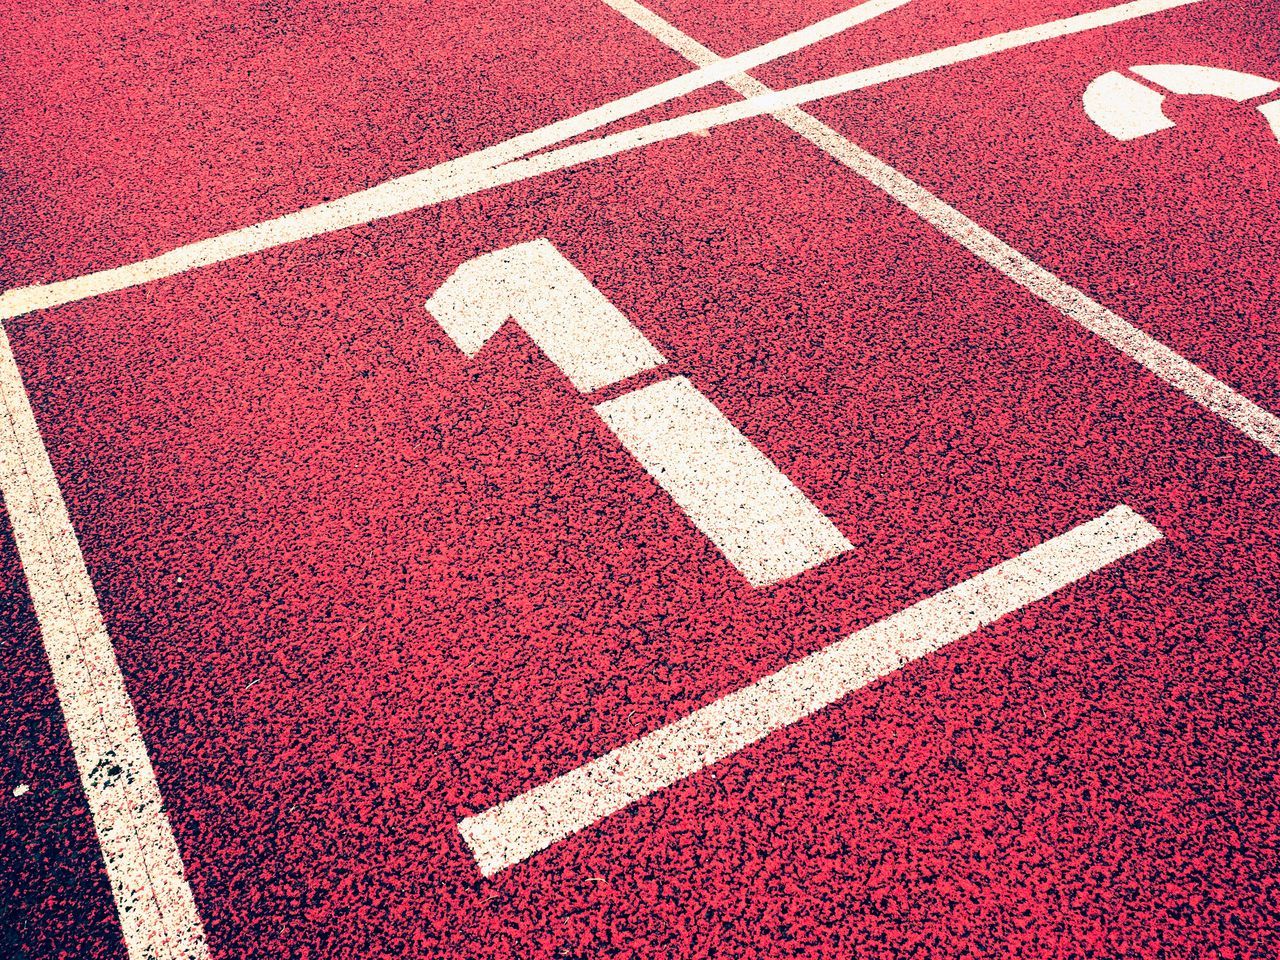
(361, 586)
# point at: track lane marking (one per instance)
(566, 316)
(128, 812)
(1256, 423)
(157, 912)
(762, 523)
(515, 830)
(156, 908)
(451, 179)
(470, 174)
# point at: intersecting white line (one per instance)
(451, 179)
(513, 831)
(1174, 369)
(476, 172)
(157, 912)
(158, 916)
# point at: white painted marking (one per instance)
(1272, 112)
(461, 177)
(571, 321)
(449, 180)
(1124, 108)
(762, 523)
(157, 912)
(1127, 110)
(711, 74)
(144, 866)
(773, 101)
(512, 831)
(731, 491)
(1195, 80)
(1177, 371)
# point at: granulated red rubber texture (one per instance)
(362, 586)
(55, 901)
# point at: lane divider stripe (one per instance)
(1232, 407)
(471, 174)
(157, 911)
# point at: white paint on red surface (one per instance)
(515, 830)
(733, 493)
(1201, 81)
(487, 169)
(571, 321)
(1125, 108)
(461, 177)
(142, 858)
(1177, 371)
(449, 180)
(1128, 110)
(157, 911)
(1272, 112)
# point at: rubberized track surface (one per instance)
(362, 587)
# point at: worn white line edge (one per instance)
(1174, 369)
(480, 171)
(515, 830)
(157, 911)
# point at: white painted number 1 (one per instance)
(731, 491)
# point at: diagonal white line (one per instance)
(444, 181)
(770, 102)
(1174, 369)
(706, 75)
(460, 177)
(157, 912)
(515, 830)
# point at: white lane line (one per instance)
(157, 912)
(448, 180)
(513, 831)
(1174, 369)
(461, 177)
(763, 524)
(705, 76)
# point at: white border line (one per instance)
(477, 172)
(157, 911)
(513, 831)
(1174, 369)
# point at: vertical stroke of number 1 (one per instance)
(762, 523)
